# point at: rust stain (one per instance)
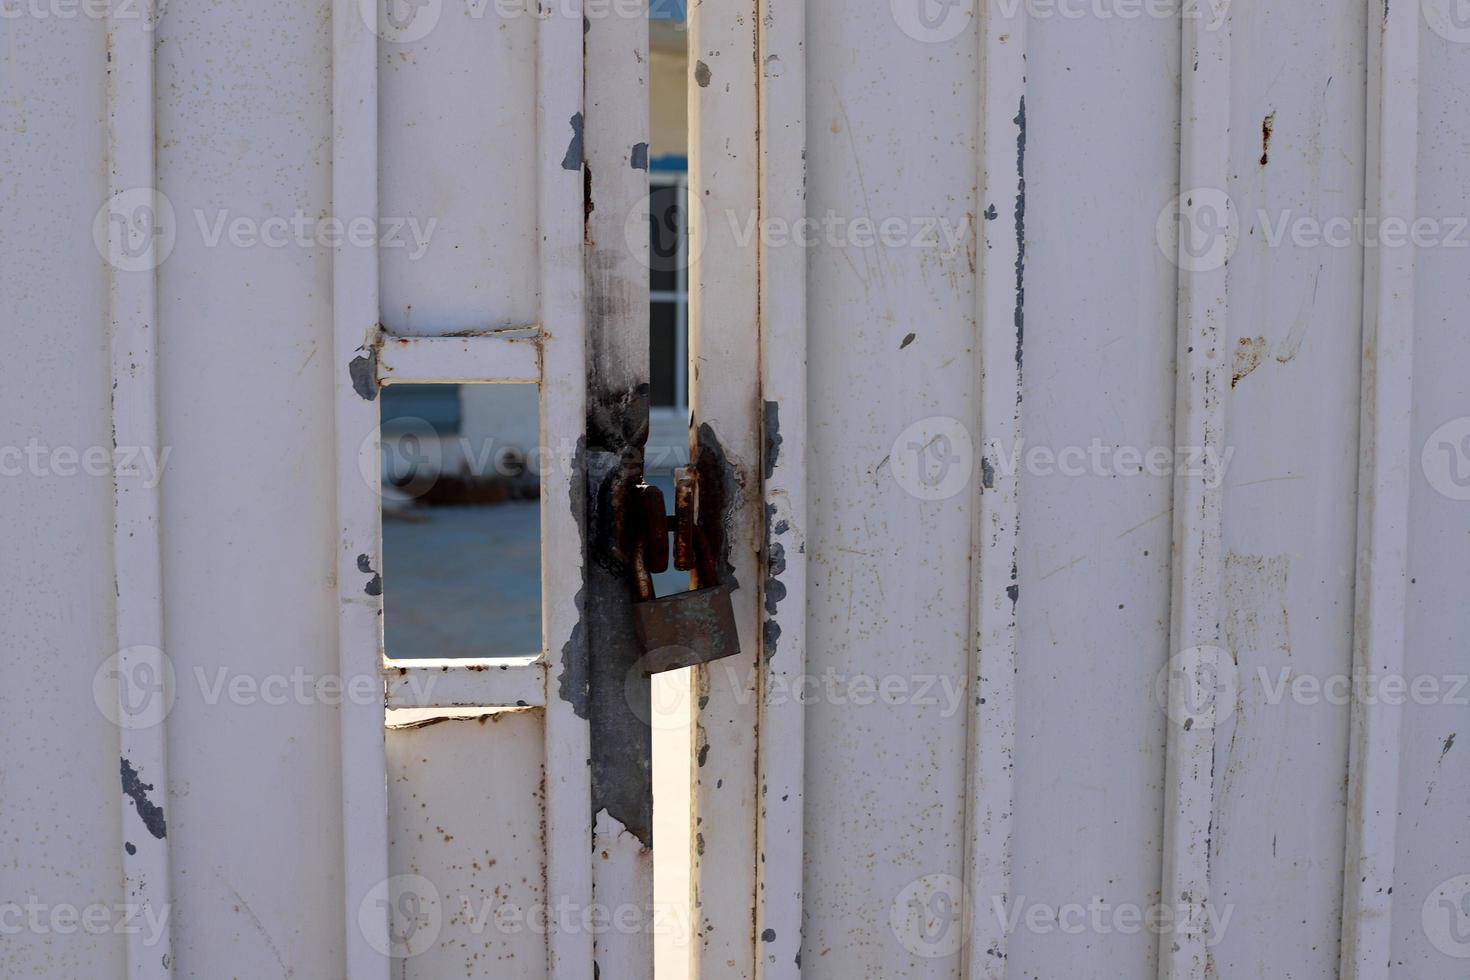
(1249, 352)
(413, 726)
(1257, 617)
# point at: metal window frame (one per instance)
(679, 297)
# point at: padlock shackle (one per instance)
(642, 577)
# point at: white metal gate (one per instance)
(1087, 377)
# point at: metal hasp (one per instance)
(689, 628)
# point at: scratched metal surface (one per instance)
(465, 815)
(246, 364)
(456, 117)
(1101, 362)
(1098, 363)
(59, 777)
(1434, 789)
(889, 572)
(254, 794)
(1298, 126)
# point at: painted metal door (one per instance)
(1137, 420)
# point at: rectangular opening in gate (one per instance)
(672, 695)
(460, 470)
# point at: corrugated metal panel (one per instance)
(890, 136)
(56, 575)
(1432, 853)
(964, 710)
(246, 366)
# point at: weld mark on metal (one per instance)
(717, 476)
(618, 420)
(136, 790)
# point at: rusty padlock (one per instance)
(688, 628)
